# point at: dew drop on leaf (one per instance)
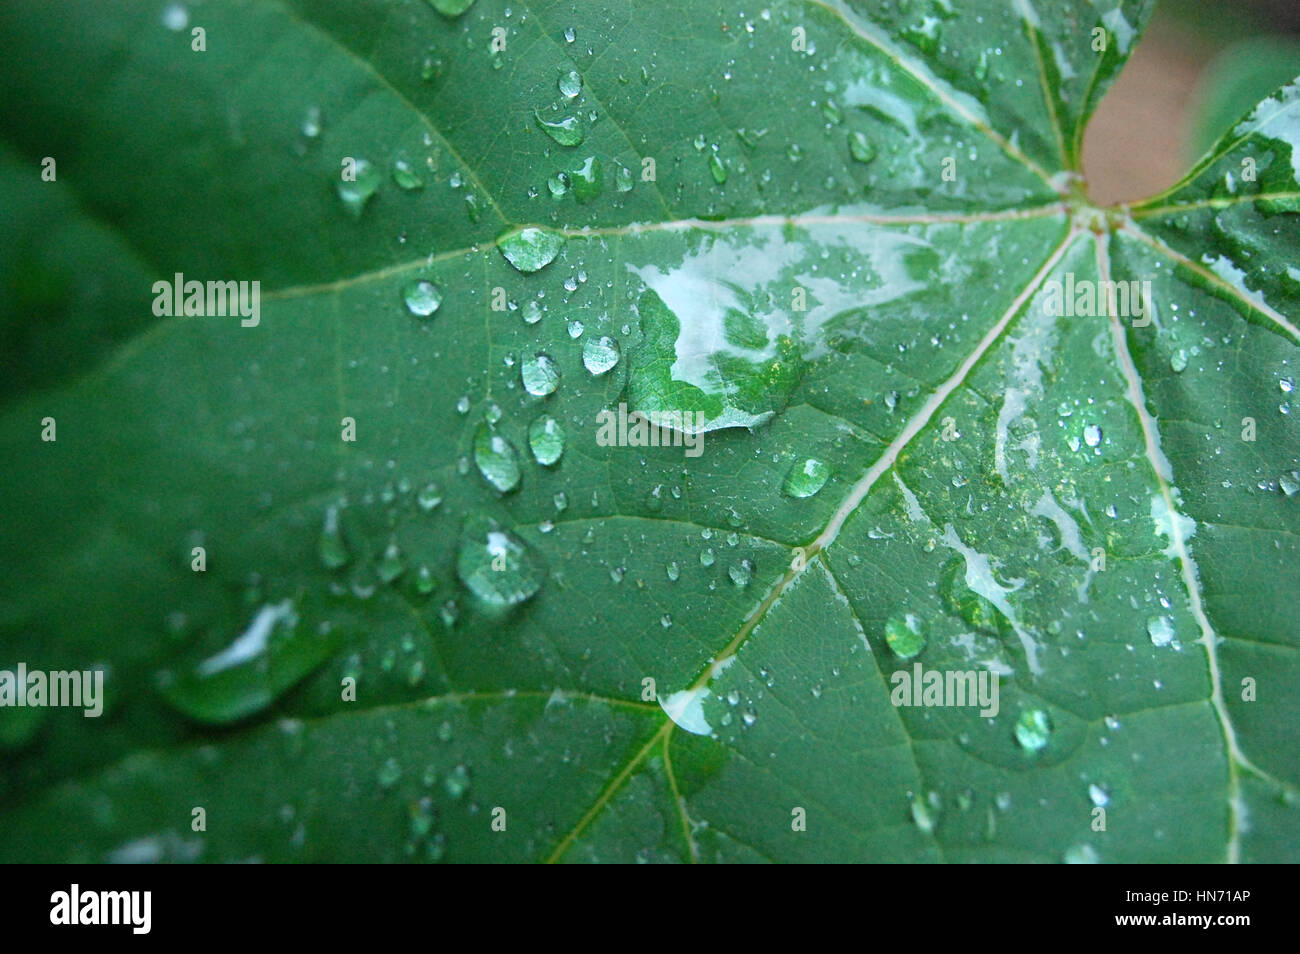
(531, 249)
(567, 130)
(601, 354)
(806, 478)
(1033, 730)
(497, 459)
(539, 374)
(546, 440)
(496, 566)
(903, 636)
(356, 192)
(422, 297)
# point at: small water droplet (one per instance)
(860, 147)
(333, 551)
(405, 176)
(1099, 796)
(390, 773)
(717, 168)
(356, 192)
(575, 328)
(1178, 361)
(741, 572)
(1092, 435)
(1161, 630)
(673, 571)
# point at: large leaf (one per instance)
(920, 465)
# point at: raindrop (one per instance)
(405, 176)
(741, 572)
(1092, 435)
(860, 148)
(1033, 730)
(391, 565)
(567, 130)
(673, 571)
(1161, 630)
(571, 84)
(717, 168)
(333, 551)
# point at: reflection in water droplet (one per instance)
(497, 459)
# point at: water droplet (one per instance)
(575, 328)
(558, 184)
(741, 573)
(1083, 854)
(497, 459)
(272, 655)
(356, 192)
(457, 782)
(333, 551)
(666, 621)
(561, 501)
(391, 565)
(540, 375)
(390, 773)
(903, 636)
(673, 571)
(600, 354)
(1161, 630)
(623, 179)
(429, 497)
(860, 147)
(405, 176)
(571, 84)
(717, 168)
(311, 123)
(496, 566)
(175, 17)
(1286, 385)
(832, 112)
(1290, 483)
(586, 179)
(424, 581)
(806, 478)
(1033, 730)
(422, 297)
(1092, 435)
(532, 313)
(1178, 361)
(570, 35)
(531, 249)
(567, 130)
(707, 557)
(546, 438)
(1099, 796)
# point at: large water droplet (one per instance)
(903, 636)
(586, 179)
(546, 439)
(356, 192)
(422, 297)
(1161, 630)
(600, 354)
(273, 654)
(497, 459)
(540, 375)
(567, 130)
(496, 566)
(806, 478)
(531, 249)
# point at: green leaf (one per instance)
(624, 491)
